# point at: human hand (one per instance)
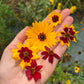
(11, 72)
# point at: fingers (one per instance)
(21, 37)
(65, 13)
(68, 20)
(59, 50)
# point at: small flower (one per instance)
(25, 54)
(68, 82)
(52, 2)
(48, 8)
(67, 35)
(24, 20)
(17, 14)
(40, 35)
(59, 6)
(33, 71)
(76, 69)
(82, 29)
(81, 22)
(49, 53)
(55, 18)
(72, 9)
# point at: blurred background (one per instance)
(16, 14)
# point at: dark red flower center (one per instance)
(32, 70)
(76, 69)
(50, 52)
(42, 36)
(26, 54)
(67, 35)
(55, 18)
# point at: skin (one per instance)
(11, 72)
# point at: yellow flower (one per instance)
(81, 22)
(59, 6)
(55, 18)
(48, 9)
(76, 69)
(67, 35)
(68, 82)
(52, 2)
(40, 35)
(25, 54)
(17, 14)
(72, 9)
(24, 20)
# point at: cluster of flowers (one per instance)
(41, 37)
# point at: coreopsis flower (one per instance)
(33, 71)
(59, 6)
(76, 69)
(49, 54)
(48, 8)
(25, 54)
(67, 35)
(72, 9)
(52, 2)
(55, 18)
(40, 35)
(68, 82)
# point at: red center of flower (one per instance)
(42, 36)
(50, 52)
(55, 18)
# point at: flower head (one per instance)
(49, 53)
(33, 71)
(48, 8)
(24, 53)
(72, 9)
(68, 82)
(41, 34)
(55, 18)
(59, 6)
(76, 69)
(67, 35)
(52, 2)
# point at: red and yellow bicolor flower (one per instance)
(67, 35)
(24, 53)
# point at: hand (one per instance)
(12, 73)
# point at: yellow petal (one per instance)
(74, 40)
(19, 45)
(35, 56)
(62, 43)
(68, 44)
(65, 26)
(16, 56)
(24, 64)
(72, 26)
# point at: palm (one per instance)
(13, 74)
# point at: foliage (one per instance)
(6, 21)
(63, 73)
